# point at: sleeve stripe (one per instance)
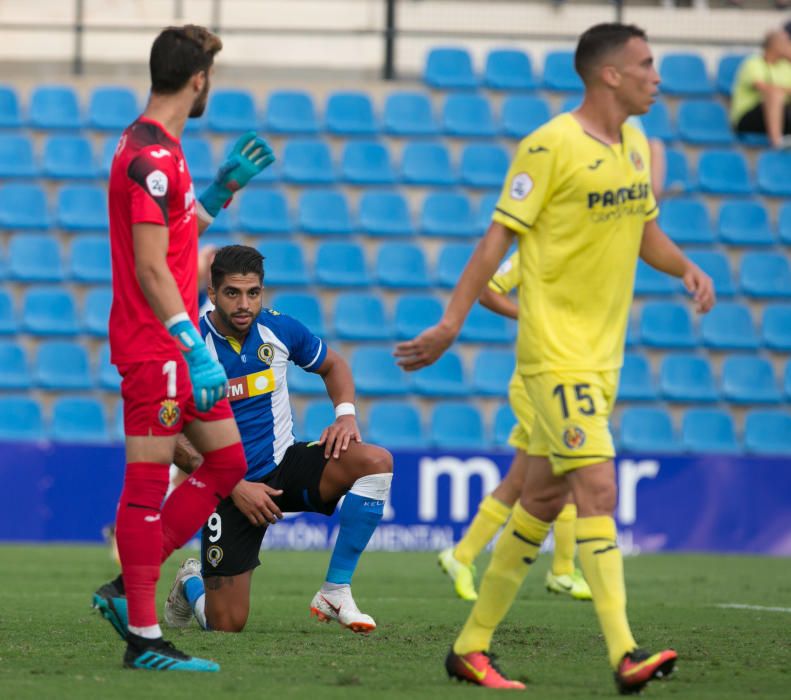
(648, 213)
(315, 357)
(511, 216)
(494, 283)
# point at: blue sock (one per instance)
(193, 589)
(359, 517)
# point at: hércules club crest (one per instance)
(169, 413)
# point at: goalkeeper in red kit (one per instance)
(170, 381)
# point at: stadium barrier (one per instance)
(67, 493)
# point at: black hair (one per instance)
(236, 260)
(598, 41)
(178, 53)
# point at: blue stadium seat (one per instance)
(324, 212)
(570, 103)
(651, 281)
(366, 163)
(224, 223)
(112, 108)
(62, 365)
(657, 123)
(451, 261)
(69, 157)
(307, 162)
(447, 214)
(291, 112)
(787, 380)
(409, 114)
(684, 74)
(724, 172)
(748, 380)
(107, 375)
(765, 275)
(198, 154)
(523, 114)
(395, 425)
(23, 206)
(504, 421)
(10, 114)
(117, 431)
(231, 111)
(284, 263)
(16, 156)
(303, 307)
(20, 419)
(444, 378)
(687, 378)
(729, 326)
(350, 114)
(456, 425)
(677, 173)
(492, 372)
(426, 163)
(384, 213)
(704, 123)
(708, 431)
(774, 173)
(686, 220)
(745, 223)
(666, 325)
(34, 257)
(78, 419)
(377, 374)
(90, 259)
(767, 432)
(726, 72)
(9, 325)
(264, 211)
(341, 265)
(401, 265)
(484, 165)
(49, 311)
(485, 326)
(509, 69)
(109, 144)
(648, 430)
(14, 370)
(414, 313)
(302, 382)
(486, 207)
(360, 316)
(632, 334)
(449, 68)
(319, 414)
(96, 311)
(784, 223)
(467, 115)
(716, 266)
(559, 72)
(54, 107)
(82, 208)
(636, 382)
(776, 327)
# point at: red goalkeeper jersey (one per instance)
(149, 183)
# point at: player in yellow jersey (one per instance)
(563, 577)
(578, 199)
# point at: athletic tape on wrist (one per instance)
(176, 318)
(345, 409)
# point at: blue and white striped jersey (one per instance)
(257, 385)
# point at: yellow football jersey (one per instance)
(508, 275)
(579, 206)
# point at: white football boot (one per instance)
(178, 612)
(339, 605)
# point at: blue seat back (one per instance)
(449, 68)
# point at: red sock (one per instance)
(139, 537)
(191, 504)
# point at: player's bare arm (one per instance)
(499, 303)
(426, 348)
(338, 380)
(153, 274)
(662, 254)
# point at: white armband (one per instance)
(345, 409)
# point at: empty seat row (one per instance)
(36, 257)
(451, 68)
(54, 311)
(73, 419)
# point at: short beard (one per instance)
(199, 105)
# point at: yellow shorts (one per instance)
(572, 411)
(523, 411)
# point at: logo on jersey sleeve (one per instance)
(266, 353)
(637, 160)
(250, 385)
(521, 186)
(157, 183)
(169, 413)
(573, 437)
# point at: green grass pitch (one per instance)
(52, 645)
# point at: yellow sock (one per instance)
(563, 561)
(602, 565)
(487, 521)
(513, 554)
